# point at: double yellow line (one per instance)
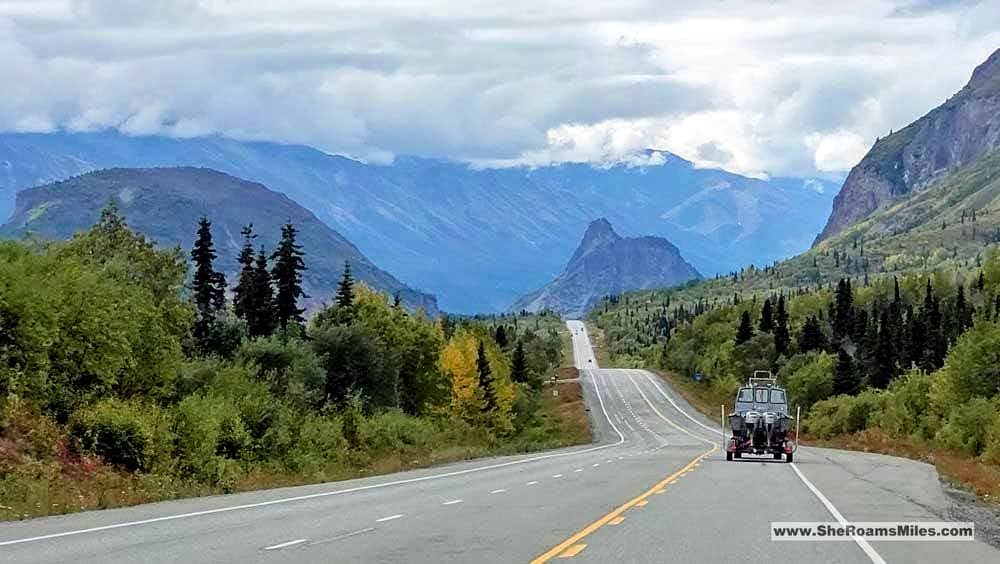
(572, 541)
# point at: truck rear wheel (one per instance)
(729, 455)
(788, 457)
(777, 456)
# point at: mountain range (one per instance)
(607, 263)
(165, 204)
(478, 238)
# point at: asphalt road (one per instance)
(654, 487)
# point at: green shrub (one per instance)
(288, 366)
(319, 443)
(967, 425)
(808, 378)
(843, 414)
(394, 431)
(906, 403)
(122, 433)
(991, 452)
(209, 430)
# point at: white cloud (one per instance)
(836, 151)
(758, 87)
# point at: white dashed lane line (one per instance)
(389, 518)
(532, 483)
(497, 491)
(557, 475)
(286, 544)
(452, 502)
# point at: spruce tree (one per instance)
(745, 331)
(287, 275)
(242, 292)
(500, 336)
(963, 312)
(915, 339)
(845, 377)
(766, 324)
(519, 364)
(345, 288)
(261, 316)
(781, 336)
(885, 353)
(843, 309)
(208, 286)
(937, 344)
(812, 337)
(489, 404)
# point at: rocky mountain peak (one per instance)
(986, 77)
(607, 263)
(959, 132)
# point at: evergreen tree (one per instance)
(766, 324)
(287, 275)
(781, 336)
(963, 313)
(845, 377)
(937, 343)
(489, 404)
(885, 353)
(260, 314)
(242, 292)
(345, 289)
(812, 337)
(208, 286)
(500, 336)
(519, 364)
(745, 331)
(843, 309)
(915, 339)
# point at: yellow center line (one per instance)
(573, 551)
(640, 500)
(616, 521)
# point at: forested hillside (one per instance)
(126, 376)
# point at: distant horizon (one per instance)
(640, 161)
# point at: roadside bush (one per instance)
(209, 429)
(904, 412)
(319, 443)
(394, 431)
(288, 366)
(843, 414)
(808, 378)
(122, 433)
(967, 425)
(991, 453)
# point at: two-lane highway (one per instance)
(653, 487)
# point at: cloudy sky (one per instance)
(757, 87)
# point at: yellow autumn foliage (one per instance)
(458, 361)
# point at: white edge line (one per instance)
(389, 518)
(671, 400)
(621, 439)
(861, 542)
(286, 544)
